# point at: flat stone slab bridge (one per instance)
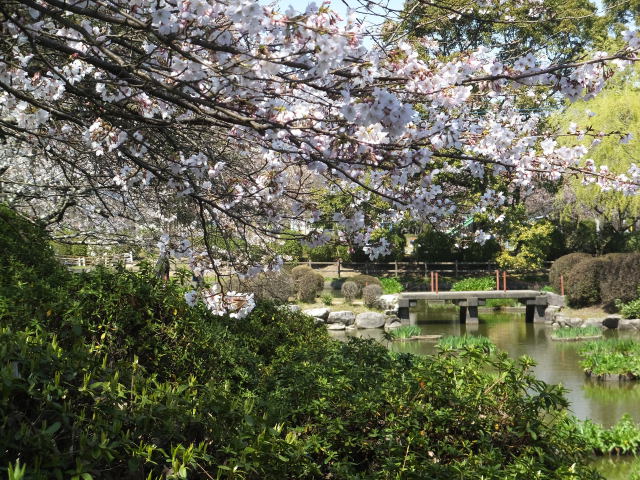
(536, 302)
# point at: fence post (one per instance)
(339, 261)
(497, 279)
(456, 268)
(562, 285)
(504, 280)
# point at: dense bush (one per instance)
(350, 290)
(619, 277)
(562, 266)
(277, 286)
(474, 284)
(309, 286)
(364, 280)
(582, 283)
(110, 375)
(371, 295)
(299, 271)
(630, 309)
(391, 285)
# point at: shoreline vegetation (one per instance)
(572, 334)
(611, 359)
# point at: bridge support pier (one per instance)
(403, 311)
(535, 309)
(469, 310)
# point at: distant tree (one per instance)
(612, 214)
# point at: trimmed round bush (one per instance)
(278, 286)
(562, 265)
(364, 280)
(350, 290)
(298, 272)
(371, 295)
(309, 286)
(582, 283)
(619, 278)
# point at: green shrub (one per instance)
(299, 271)
(371, 295)
(619, 278)
(630, 309)
(277, 286)
(582, 283)
(391, 285)
(309, 286)
(109, 374)
(327, 299)
(364, 280)
(562, 265)
(406, 331)
(474, 284)
(350, 290)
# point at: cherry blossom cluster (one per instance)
(228, 120)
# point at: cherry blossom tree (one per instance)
(227, 118)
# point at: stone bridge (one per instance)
(536, 302)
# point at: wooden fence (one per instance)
(92, 261)
(456, 269)
(338, 268)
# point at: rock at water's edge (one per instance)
(343, 316)
(322, 313)
(371, 320)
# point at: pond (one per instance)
(557, 362)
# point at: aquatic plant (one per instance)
(454, 342)
(406, 331)
(623, 438)
(611, 357)
(577, 332)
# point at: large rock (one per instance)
(551, 312)
(393, 324)
(592, 322)
(629, 324)
(371, 320)
(343, 316)
(575, 321)
(336, 326)
(555, 300)
(612, 321)
(322, 313)
(389, 302)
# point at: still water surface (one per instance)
(557, 362)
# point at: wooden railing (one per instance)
(340, 268)
(91, 261)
